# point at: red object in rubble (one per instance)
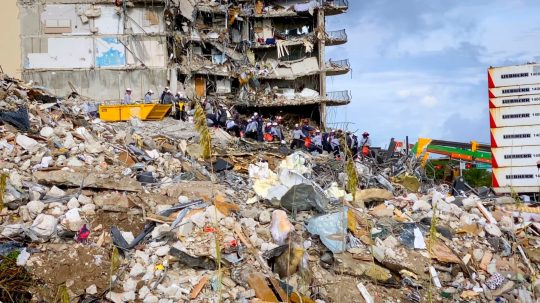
(83, 234)
(208, 229)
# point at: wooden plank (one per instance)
(252, 249)
(158, 218)
(280, 291)
(258, 283)
(486, 213)
(197, 289)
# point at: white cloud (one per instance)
(429, 101)
(423, 72)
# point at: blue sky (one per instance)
(419, 67)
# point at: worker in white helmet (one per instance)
(297, 137)
(163, 93)
(127, 96)
(148, 96)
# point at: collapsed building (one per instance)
(268, 55)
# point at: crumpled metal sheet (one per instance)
(18, 118)
(302, 197)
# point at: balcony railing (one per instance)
(343, 95)
(336, 3)
(338, 64)
(340, 35)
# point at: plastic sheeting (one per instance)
(332, 229)
(304, 197)
(306, 7)
(18, 118)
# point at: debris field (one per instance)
(131, 212)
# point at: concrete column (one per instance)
(173, 81)
(321, 26)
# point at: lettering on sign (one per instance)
(516, 116)
(518, 75)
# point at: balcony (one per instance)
(334, 7)
(338, 97)
(338, 67)
(288, 97)
(336, 37)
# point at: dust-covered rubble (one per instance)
(128, 212)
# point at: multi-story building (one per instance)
(514, 116)
(259, 55)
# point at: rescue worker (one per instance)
(232, 127)
(268, 137)
(326, 137)
(222, 116)
(276, 132)
(355, 146)
(365, 144)
(316, 142)
(168, 98)
(348, 140)
(259, 127)
(181, 102)
(335, 144)
(148, 96)
(297, 137)
(165, 90)
(127, 96)
(251, 129)
(306, 129)
(208, 109)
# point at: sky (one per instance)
(419, 67)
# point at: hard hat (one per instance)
(296, 125)
(268, 124)
(255, 114)
(166, 88)
(275, 123)
(150, 91)
(128, 89)
(317, 131)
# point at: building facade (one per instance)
(514, 118)
(252, 54)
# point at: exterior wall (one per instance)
(100, 84)
(10, 56)
(62, 40)
(514, 129)
(94, 47)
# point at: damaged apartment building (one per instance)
(259, 55)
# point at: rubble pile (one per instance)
(127, 212)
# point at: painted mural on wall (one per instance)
(110, 53)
